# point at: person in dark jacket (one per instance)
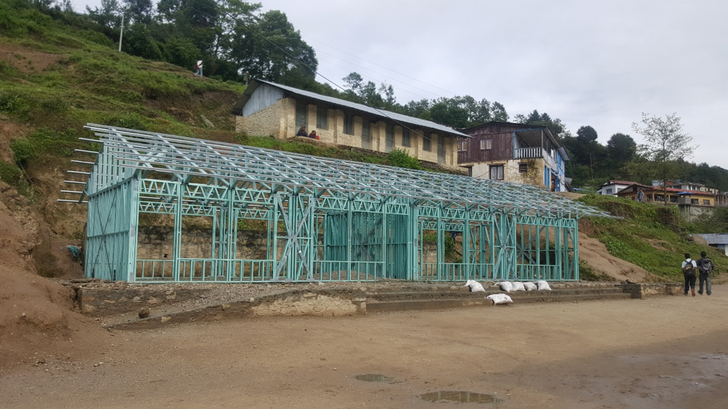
(301, 131)
(705, 267)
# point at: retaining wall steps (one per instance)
(420, 300)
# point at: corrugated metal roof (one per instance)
(380, 113)
(713, 238)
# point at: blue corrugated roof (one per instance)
(714, 238)
(360, 107)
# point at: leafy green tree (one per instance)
(139, 41)
(270, 48)
(498, 112)
(587, 137)
(621, 149)
(451, 114)
(109, 15)
(534, 118)
(138, 11)
(417, 108)
(197, 21)
(666, 146)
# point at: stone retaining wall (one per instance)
(117, 298)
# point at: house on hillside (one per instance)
(612, 187)
(267, 108)
(698, 187)
(517, 153)
(656, 194)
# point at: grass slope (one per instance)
(648, 235)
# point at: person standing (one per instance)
(688, 267)
(198, 68)
(705, 267)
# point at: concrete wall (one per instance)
(694, 213)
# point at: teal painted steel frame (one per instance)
(328, 220)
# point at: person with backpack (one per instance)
(705, 267)
(688, 267)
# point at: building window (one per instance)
(349, 124)
(694, 201)
(427, 142)
(522, 167)
(496, 172)
(366, 137)
(608, 191)
(706, 202)
(405, 137)
(462, 146)
(389, 132)
(322, 118)
(301, 115)
(485, 144)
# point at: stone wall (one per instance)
(156, 243)
(262, 123)
(119, 297)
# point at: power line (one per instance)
(386, 68)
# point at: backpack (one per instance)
(706, 266)
(688, 270)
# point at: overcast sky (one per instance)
(598, 63)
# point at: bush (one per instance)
(401, 159)
(15, 103)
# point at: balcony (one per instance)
(535, 152)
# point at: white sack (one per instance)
(543, 285)
(529, 286)
(474, 286)
(518, 286)
(500, 298)
(506, 286)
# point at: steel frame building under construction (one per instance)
(327, 219)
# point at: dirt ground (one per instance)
(663, 352)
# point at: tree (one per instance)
(534, 118)
(109, 15)
(139, 11)
(666, 146)
(621, 149)
(587, 137)
(446, 112)
(498, 112)
(271, 47)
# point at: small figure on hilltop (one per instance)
(198, 68)
(688, 267)
(313, 135)
(302, 131)
(705, 267)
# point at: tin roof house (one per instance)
(267, 108)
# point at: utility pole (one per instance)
(122, 31)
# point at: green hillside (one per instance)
(652, 236)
